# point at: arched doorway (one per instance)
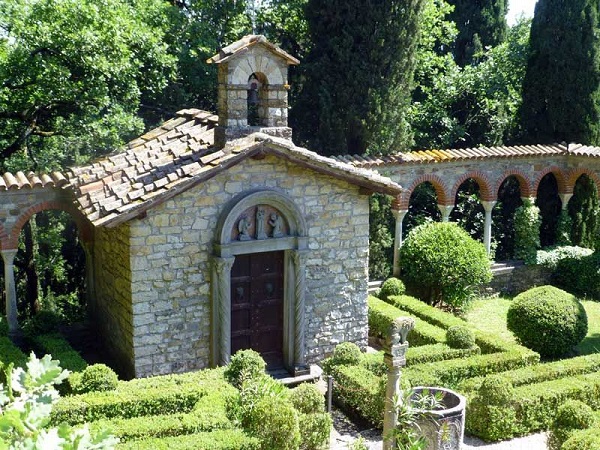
(258, 280)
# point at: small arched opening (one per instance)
(503, 218)
(468, 211)
(584, 213)
(549, 203)
(422, 207)
(257, 100)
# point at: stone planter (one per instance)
(443, 428)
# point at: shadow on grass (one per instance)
(589, 345)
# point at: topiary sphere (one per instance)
(460, 337)
(496, 390)
(346, 354)
(391, 286)
(547, 320)
(571, 415)
(245, 364)
(98, 377)
(307, 399)
(443, 263)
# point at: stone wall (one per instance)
(170, 264)
(112, 312)
(517, 279)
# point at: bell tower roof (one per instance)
(244, 44)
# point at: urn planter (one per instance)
(443, 428)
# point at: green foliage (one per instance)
(496, 390)
(274, 421)
(391, 286)
(562, 105)
(445, 261)
(503, 219)
(539, 373)
(10, 354)
(244, 365)
(572, 415)
(98, 378)
(141, 397)
(460, 337)
(583, 440)
(550, 257)
(358, 116)
(480, 25)
(547, 320)
(44, 322)
(315, 430)
(381, 241)
(437, 352)
(346, 353)
(57, 346)
(583, 211)
(579, 275)
(527, 231)
(26, 405)
(51, 101)
(214, 440)
(563, 229)
(307, 399)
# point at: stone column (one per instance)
(565, 198)
(399, 215)
(221, 313)
(395, 358)
(488, 206)
(8, 256)
(445, 210)
(299, 320)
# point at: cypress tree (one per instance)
(480, 23)
(358, 76)
(561, 95)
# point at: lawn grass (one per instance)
(489, 314)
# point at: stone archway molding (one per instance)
(295, 247)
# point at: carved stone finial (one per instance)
(399, 329)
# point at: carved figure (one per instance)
(277, 223)
(244, 229)
(260, 224)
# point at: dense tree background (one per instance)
(561, 90)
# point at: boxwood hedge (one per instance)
(214, 440)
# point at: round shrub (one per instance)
(444, 263)
(391, 286)
(496, 390)
(274, 421)
(583, 440)
(307, 399)
(245, 364)
(460, 337)
(98, 377)
(346, 354)
(571, 415)
(547, 320)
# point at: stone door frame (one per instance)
(295, 247)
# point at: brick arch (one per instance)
(563, 188)
(83, 226)
(485, 185)
(438, 185)
(524, 182)
(4, 238)
(574, 175)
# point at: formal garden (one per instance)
(525, 364)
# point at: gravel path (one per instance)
(345, 431)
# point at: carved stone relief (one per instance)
(260, 222)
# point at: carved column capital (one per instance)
(223, 265)
(8, 255)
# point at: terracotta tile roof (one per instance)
(20, 180)
(462, 154)
(177, 156)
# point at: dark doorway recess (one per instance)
(257, 305)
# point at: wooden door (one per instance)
(257, 305)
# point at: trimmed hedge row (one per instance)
(450, 373)
(533, 407)
(57, 346)
(489, 343)
(542, 372)
(9, 352)
(359, 390)
(382, 314)
(215, 440)
(167, 394)
(208, 415)
(588, 439)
